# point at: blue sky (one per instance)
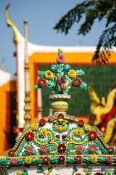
(42, 16)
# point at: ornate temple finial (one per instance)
(10, 24)
(60, 78)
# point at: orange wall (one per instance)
(4, 114)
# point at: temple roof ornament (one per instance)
(60, 140)
(10, 24)
(60, 78)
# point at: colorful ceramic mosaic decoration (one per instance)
(60, 144)
(60, 78)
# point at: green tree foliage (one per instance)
(91, 10)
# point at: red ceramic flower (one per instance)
(60, 59)
(92, 148)
(80, 122)
(60, 116)
(51, 118)
(79, 149)
(46, 159)
(29, 150)
(42, 122)
(78, 159)
(13, 161)
(92, 135)
(61, 148)
(29, 136)
(57, 136)
(63, 136)
(109, 159)
(76, 81)
(61, 158)
(43, 149)
(11, 153)
(62, 80)
(41, 82)
(110, 150)
(72, 118)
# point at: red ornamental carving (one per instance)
(13, 161)
(78, 159)
(60, 59)
(61, 158)
(57, 136)
(72, 118)
(43, 149)
(62, 80)
(92, 135)
(109, 159)
(76, 81)
(61, 148)
(60, 116)
(42, 122)
(63, 136)
(92, 148)
(51, 118)
(29, 150)
(110, 150)
(11, 153)
(41, 82)
(29, 136)
(46, 159)
(80, 122)
(79, 149)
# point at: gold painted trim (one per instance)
(10, 24)
(70, 155)
(109, 130)
(96, 108)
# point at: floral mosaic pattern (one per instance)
(60, 143)
(79, 143)
(60, 78)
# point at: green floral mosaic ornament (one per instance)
(60, 143)
(60, 78)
